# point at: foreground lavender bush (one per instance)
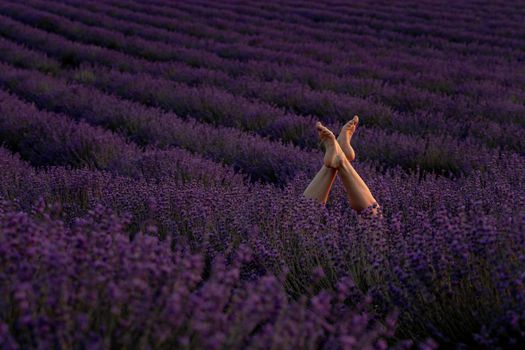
(469, 270)
(90, 286)
(189, 254)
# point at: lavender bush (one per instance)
(153, 157)
(90, 286)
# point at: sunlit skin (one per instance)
(338, 155)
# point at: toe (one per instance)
(325, 132)
(321, 127)
(350, 126)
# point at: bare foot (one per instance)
(345, 136)
(333, 152)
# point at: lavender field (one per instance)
(154, 154)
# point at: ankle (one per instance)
(344, 164)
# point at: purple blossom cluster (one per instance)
(88, 285)
(153, 157)
(45, 138)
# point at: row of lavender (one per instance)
(260, 158)
(104, 37)
(347, 53)
(224, 107)
(193, 29)
(56, 94)
(239, 23)
(346, 19)
(489, 131)
(448, 254)
(162, 51)
(347, 36)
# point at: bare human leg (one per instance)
(359, 194)
(320, 187)
(335, 159)
(321, 184)
(345, 136)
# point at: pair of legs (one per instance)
(338, 155)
